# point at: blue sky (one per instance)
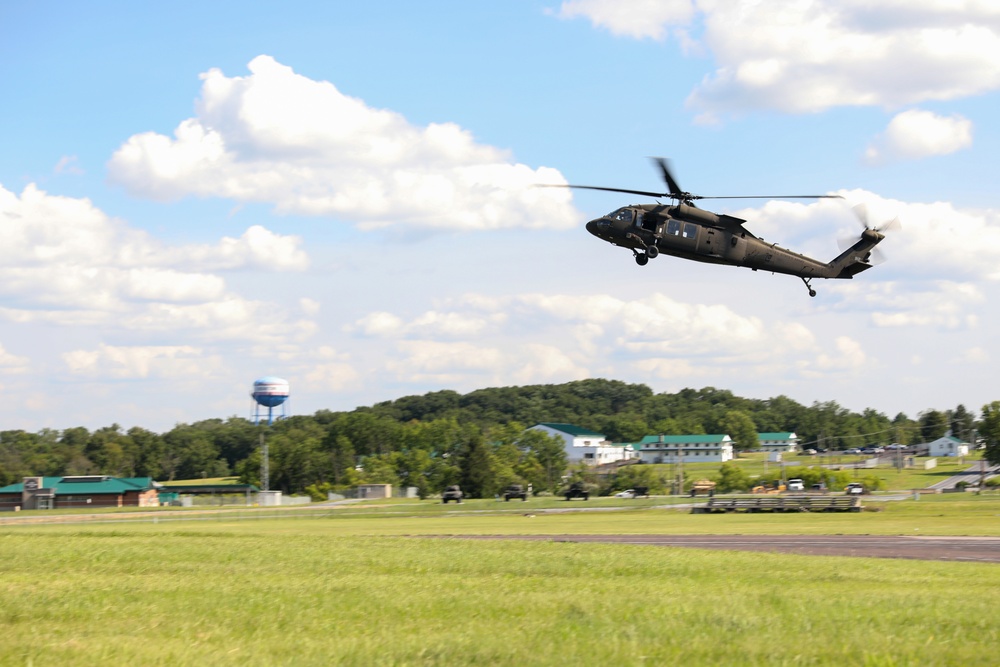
(340, 194)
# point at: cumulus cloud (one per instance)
(11, 364)
(937, 304)
(456, 362)
(430, 324)
(639, 19)
(302, 145)
(809, 56)
(135, 362)
(917, 134)
(65, 262)
(577, 336)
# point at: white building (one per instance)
(947, 445)
(689, 448)
(584, 445)
(784, 443)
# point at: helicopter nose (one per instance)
(594, 227)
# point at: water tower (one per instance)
(269, 392)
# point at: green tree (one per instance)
(478, 469)
(962, 422)
(550, 453)
(740, 427)
(989, 429)
(732, 478)
(632, 476)
(933, 424)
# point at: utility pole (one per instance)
(265, 468)
(679, 470)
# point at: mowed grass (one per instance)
(349, 590)
(946, 514)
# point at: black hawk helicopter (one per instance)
(681, 229)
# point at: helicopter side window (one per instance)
(690, 230)
(674, 227)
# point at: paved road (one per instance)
(970, 475)
(972, 549)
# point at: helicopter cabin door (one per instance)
(710, 242)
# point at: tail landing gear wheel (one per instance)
(812, 292)
(642, 260)
(652, 251)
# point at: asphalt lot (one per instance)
(969, 549)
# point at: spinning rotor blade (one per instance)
(674, 191)
(861, 210)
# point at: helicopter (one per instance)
(681, 229)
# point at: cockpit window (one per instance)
(625, 214)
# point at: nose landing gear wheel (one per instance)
(642, 260)
(652, 251)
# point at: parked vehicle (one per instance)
(515, 491)
(796, 484)
(577, 490)
(453, 492)
(854, 489)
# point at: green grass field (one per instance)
(346, 587)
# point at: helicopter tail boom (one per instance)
(855, 259)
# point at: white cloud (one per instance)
(577, 336)
(638, 19)
(68, 164)
(432, 324)
(11, 364)
(278, 137)
(849, 356)
(811, 55)
(916, 134)
(65, 262)
(938, 304)
(133, 362)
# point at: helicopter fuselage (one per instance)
(692, 233)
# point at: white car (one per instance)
(795, 485)
(854, 489)
(627, 493)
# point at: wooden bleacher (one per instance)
(780, 504)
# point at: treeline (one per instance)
(475, 439)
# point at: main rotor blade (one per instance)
(770, 197)
(594, 187)
(675, 190)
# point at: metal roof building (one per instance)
(79, 491)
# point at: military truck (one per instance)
(453, 492)
(577, 490)
(515, 491)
